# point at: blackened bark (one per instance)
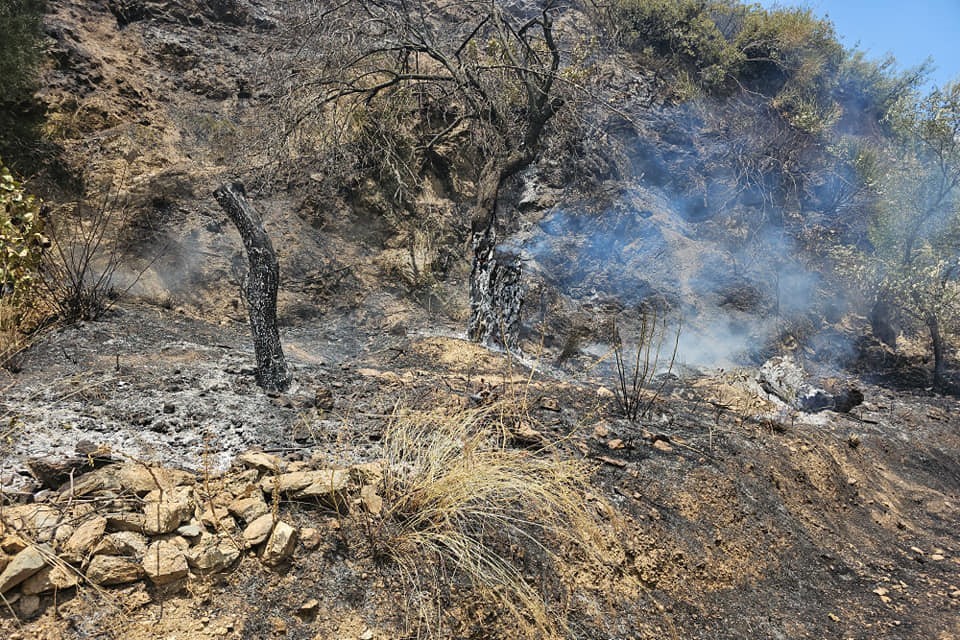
(262, 283)
(495, 293)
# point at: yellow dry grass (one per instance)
(469, 521)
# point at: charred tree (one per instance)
(496, 294)
(262, 283)
(483, 79)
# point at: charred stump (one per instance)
(495, 293)
(262, 283)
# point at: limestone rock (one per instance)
(192, 530)
(261, 461)
(83, 539)
(217, 518)
(28, 606)
(13, 544)
(165, 511)
(140, 479)
(310, 538)
(109, 570)
(213, 554)
(38, 521)
(165, 561)
(130, 476)
(24, 564)
(53, 578)
(307, 483)
(122, 543)
(258, 530)
(161, 517)
(372, 502)
(281, 544)
(249, 509)
(125, 522)
(367, 473)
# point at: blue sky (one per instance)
(911, 31)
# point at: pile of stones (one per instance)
(130, 521)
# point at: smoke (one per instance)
(735, 296)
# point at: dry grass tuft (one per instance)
(483, 535)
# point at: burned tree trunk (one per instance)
(262, 283)
(495, 293)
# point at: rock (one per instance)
(133, 522)
(366, 635)
(53, 472)
(165, 562)
(213, 554)
(846, 400)
(110, 570)
(615, 443)
(83, 539)
(28, 606)
(371, 502)
(130, 476)
(63, 533)
(248, 509)
(36, 521)
(243, 484)
(217, 518)
(327, 485)
(813, 400)
(53, 578)
(310, 538)
(323, 399)
(261, 461)
(13, 544)
(122, 543)
(192, 530)
(367, 473)
(662, 445)
(26, 563)
(167, 510)
(550, 404)
(258, 530)
(309, 607)
(600, 431)
(281, 544)
(162, 517)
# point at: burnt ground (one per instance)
(736, 517)
(739, 518)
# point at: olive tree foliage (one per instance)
(19, 47)
(458, 93)
(20, 53)
(916, 233)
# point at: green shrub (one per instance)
(20, 31)
(21, 238)
(684, 31)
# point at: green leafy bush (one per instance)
(683, 31)
(20, 22)
(21, 238)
